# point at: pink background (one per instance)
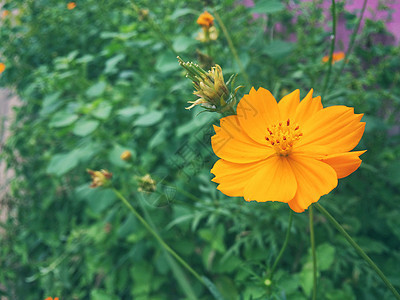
(391, 19)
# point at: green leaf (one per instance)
(182, 12)
(84, 127)
(306, 278)
(98, 199)
(182, 43)
(149, 119)
(62, 163)
(97, 89)
(101, 295)
(267, 7)
(62, 119)
(51, 103)
(112, 63)
(278, 49)
(158, 138)
(102, 111)
(131, 111)
(167, 62)
(114, 156)
(325, 256)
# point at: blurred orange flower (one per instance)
(205, 20)
(5, 13)
(336, 56)
(2, 67)
(71, 5)
(291, 151)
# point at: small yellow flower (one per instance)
(2, 67)
(336, 56)
(143, 14)
(126, 155)
(146, 184)
(71, 5)
(100, 178)
(205, 20)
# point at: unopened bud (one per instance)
(210, 87)
(126, 155)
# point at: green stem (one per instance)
(314, 254)
(333, 37)
(271, 274)
(351, 44)
(176, 270)
(232, 47)
(158, 238)
(358, 249)
(156, 28)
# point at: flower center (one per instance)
(283, 136)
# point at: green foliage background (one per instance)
(101, 78)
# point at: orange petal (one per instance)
(295, 206)
(256, 111)
(307, 108)
(288, 105)
(232, 177)
(314, 179)
(231, 143)
(336, 127)
(275, 181)
(344, 163)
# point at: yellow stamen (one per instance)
(283, 136)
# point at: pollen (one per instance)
(283, 136)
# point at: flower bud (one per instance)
(126, 155)
(146, 184)
(100, 178)
(210, 87)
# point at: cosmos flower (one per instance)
(205, 20)
(291, 151)
(336, 56)
(71, 5)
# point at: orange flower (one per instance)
(336, 56)
(2, 67)
(291, 151)
(71, 5)
(205, 20)
(5, 13)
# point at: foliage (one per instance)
(103, 78)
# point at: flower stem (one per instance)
(314, 254)
(351, 44)
(333, 40)
(156, 28)
(278, 258)
(358, 249)
(232, 47)
(158, 238)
